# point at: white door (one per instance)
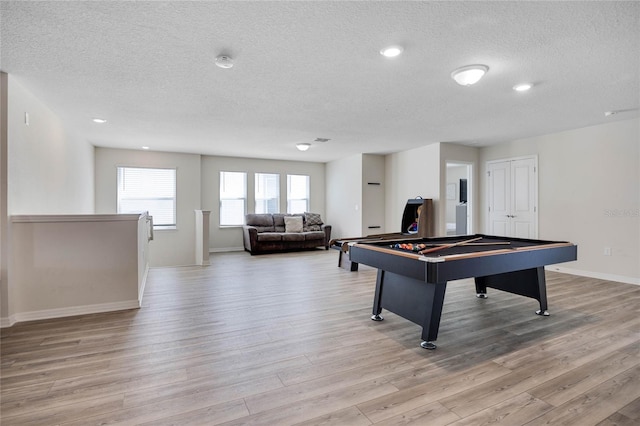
(513, 194)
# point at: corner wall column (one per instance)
(202, 237)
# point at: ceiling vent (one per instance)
(322, 140)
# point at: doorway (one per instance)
(459, 198)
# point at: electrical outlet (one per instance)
(607, 251)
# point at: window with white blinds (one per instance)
(267, 187)
(233, 198)
(146, 189)
(297, 193)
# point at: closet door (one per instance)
(513, 194)
(499, 181)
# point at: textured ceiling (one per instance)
(305, 70)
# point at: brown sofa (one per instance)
(267, 233)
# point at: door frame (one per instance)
(471, 196)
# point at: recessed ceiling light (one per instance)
(471, 74)
(522, 87)
(391, 51)
(145, 147)
(303, 146)
(99, 120)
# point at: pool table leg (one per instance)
(542, 292)
(377, 299)
(346, 263)
(431, 323)
(401, 298)
(527, 282)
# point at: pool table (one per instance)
(413, 274)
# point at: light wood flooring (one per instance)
(286, 339)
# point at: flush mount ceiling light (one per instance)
(522, 87)
(99, 120)
(391, 51)
(224, 61)
(618, 111)
(471, 74)
(303, 146)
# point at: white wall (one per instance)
(373, 195)
(66, 265)
(344, 196)
(409, 174)
(589, 194)
(173, 247)
(4, 217)
(50, 170)
(226, 238)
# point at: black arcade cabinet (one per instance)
(417, 220)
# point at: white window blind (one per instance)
(152, 190)
(267, 192)
(233, 198)
(297, 193)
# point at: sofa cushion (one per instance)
(262, 222)
(293, 236)
(313, 235)
(269, 236)
(293, 223)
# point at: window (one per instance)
(152, 190)
(297, 193)
(233, 198)
(267, 193)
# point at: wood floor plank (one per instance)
(62, 414)
(326, 384)
(211, 415)
(350, 416)
(597, 404)
(617, 419)
(631, 410)
(577, 381)
(433, 414)
(518, 410)
(318, 406)
(87, 390)
(430, 391)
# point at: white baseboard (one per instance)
(226, 249)
(68, 312)
(598, 275)
(143, 284)
(7, 322)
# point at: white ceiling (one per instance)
(307, 70)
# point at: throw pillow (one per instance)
(312, 222)
(293, 223)
(313, 218)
